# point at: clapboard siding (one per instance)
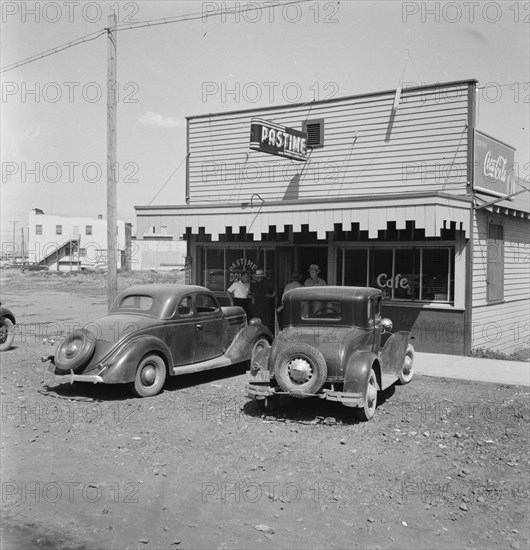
(369, 149)
(504, 326)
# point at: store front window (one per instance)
(414, 274)
(222, 266)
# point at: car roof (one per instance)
(163, 290)
(332, 293)
(165, 296)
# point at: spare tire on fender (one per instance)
(300, 369)
(75, 351)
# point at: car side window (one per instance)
(184, 307)
(205, 304)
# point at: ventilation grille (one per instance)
(315, 132)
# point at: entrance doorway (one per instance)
(313, 255)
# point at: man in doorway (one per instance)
(263, 294)
(314, 279)
(239, 294)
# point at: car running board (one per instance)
(204, 365)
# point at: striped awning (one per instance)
(432, 213)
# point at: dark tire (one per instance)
(7, 333)
(150, 376)
(407, 372)
(300, 368)
(367, 412)
(75, 351)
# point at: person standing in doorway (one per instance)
(263, 295)
(239, 294)
(314, 279)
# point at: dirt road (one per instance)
(444, 464)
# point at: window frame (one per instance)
(370, 250)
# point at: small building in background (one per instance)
(72, 243)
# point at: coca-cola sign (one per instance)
(494, 165)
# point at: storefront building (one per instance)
(395, 190)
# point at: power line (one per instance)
(150, 23)
(55, 50)
(193, 16)
(167, 181)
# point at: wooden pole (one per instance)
(112, 112)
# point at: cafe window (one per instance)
(88, 230)
(38, 230)
(58, 229)
(414, 274)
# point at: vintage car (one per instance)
(156, 330)
(332, 347)
(7, 328)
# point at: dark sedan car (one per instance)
(155, 330)
(335, 346)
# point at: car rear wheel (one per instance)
(75, 351)
(407, 372)
(7, 333)
(368, 410)
(300, 369)
(150, 376)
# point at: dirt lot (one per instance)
(444, 464)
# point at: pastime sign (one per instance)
(268, 137)
(494, 165)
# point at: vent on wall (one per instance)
(315, 132)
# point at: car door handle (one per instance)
(198, 327)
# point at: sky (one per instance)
(53, 110)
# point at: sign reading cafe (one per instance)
(269, 137)
(494, 165)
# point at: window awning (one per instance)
(432, 213)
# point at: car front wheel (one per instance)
(370, 403)
(407, 372)
(150, 376)
(300, 369)
(7, 333)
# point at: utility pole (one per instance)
(112, 112)
(22, 245)
(13, 252)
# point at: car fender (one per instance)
(121, 366)
(394, 351)
(241, 347)
(4, 312)
(357, 372)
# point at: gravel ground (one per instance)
(444, 464)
